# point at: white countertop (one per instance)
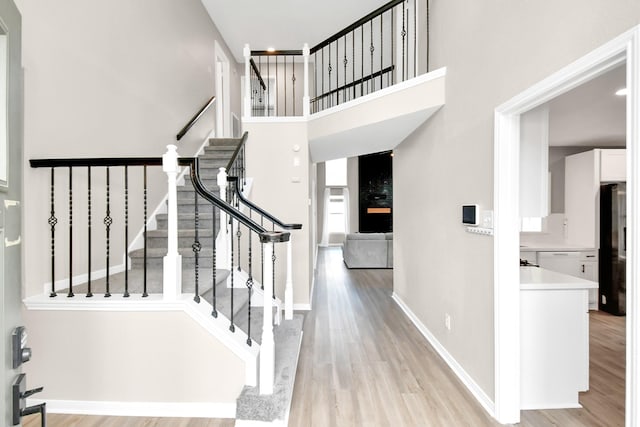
(552, 247)
(536, 278)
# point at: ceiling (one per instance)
(283, 24)
(590, 115)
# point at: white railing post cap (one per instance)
(306, 51)
(246, 51)
(170, 160)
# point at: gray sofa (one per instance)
(368, 250)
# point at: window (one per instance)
(335, 182)
(336, 212)
(336, 173)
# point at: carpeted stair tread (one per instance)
(267, 408)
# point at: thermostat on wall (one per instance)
(470, 214)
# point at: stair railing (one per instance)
(112, 187)
(272, 82)
(192, 121)
(102, 170)
(240, 200)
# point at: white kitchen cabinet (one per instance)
(561, 262)
(534, 163)
(584, 172)
(613, 165)
(589, 271)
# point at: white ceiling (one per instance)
(590, 115)
(283, 24)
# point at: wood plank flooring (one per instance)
(364, 364)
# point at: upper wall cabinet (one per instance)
(613, 165)
(534, 163)
(583, 174)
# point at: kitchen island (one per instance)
(554, 343)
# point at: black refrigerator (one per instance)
(612, 271)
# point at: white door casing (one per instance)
(625, 47)
(222, 92)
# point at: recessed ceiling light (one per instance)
(271, 49)
(622, 92)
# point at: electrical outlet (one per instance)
(604, 299)
(447, 321)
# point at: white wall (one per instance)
(129, 357)
(271, 163)
(492, 51)
(109, 79)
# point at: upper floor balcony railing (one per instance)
(377, 51)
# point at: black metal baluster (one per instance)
(52, 223)
(70, 293)
(144, 268)
(239, 235)
(329, 77)
(337, 74)
(196, 247)
(362, 60)
(346, 61)
(249, 288)
(232, 327)
(428, 37)
(371, 83)
(89, 293)
(107, 222)
(322, 74)
(315, 81)
(262, 258)
(285, 85)
(214, 311)
(381, 51)
(403, 33)
(268, 98)
(126, 232)
(285, 110)
(293, 84)
(393, 36)
(415, 45)
(273, 269)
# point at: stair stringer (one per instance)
(218, 327)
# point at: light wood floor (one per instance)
(364, 364)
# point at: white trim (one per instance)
(301, 307)
(218, 327)
(139, 409)
(506, 196)
(457, 369)
(83, 278)
(398, 87)
(223, 107)
(272, 119)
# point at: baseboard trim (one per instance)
(457, 369)
(140, 409)
(301, 307)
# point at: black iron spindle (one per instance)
(70, 293)
(329, 77)
(276, 96)
(293, 83)
(89, 293)
(267, 101)
(232, 327)
(196, 247)
(337, 74)
(273, 269)
(353, 61)
(262, 258)
(403, 33)
(362, 60)
(52, 223)
(144, 267)
(214, 311)
(381, 51)
(393, 37)
(126, 231)
(107, 222)
(371, 84)
(346, 61)
(285, 85)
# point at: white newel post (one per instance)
(306, 102)
(223, 249)
(288, 290)
(247, 81)
(267, 347)
(172, 263)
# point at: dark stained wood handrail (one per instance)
(195, 118)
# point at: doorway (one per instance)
(506, 241)
(223, 93)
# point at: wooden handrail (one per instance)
(195, 118)
(379, 11)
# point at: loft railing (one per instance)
(375, 52)
(195, 118)
(276, 83)
(206, 251)
(237, 163)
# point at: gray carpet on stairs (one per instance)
(253, 406)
